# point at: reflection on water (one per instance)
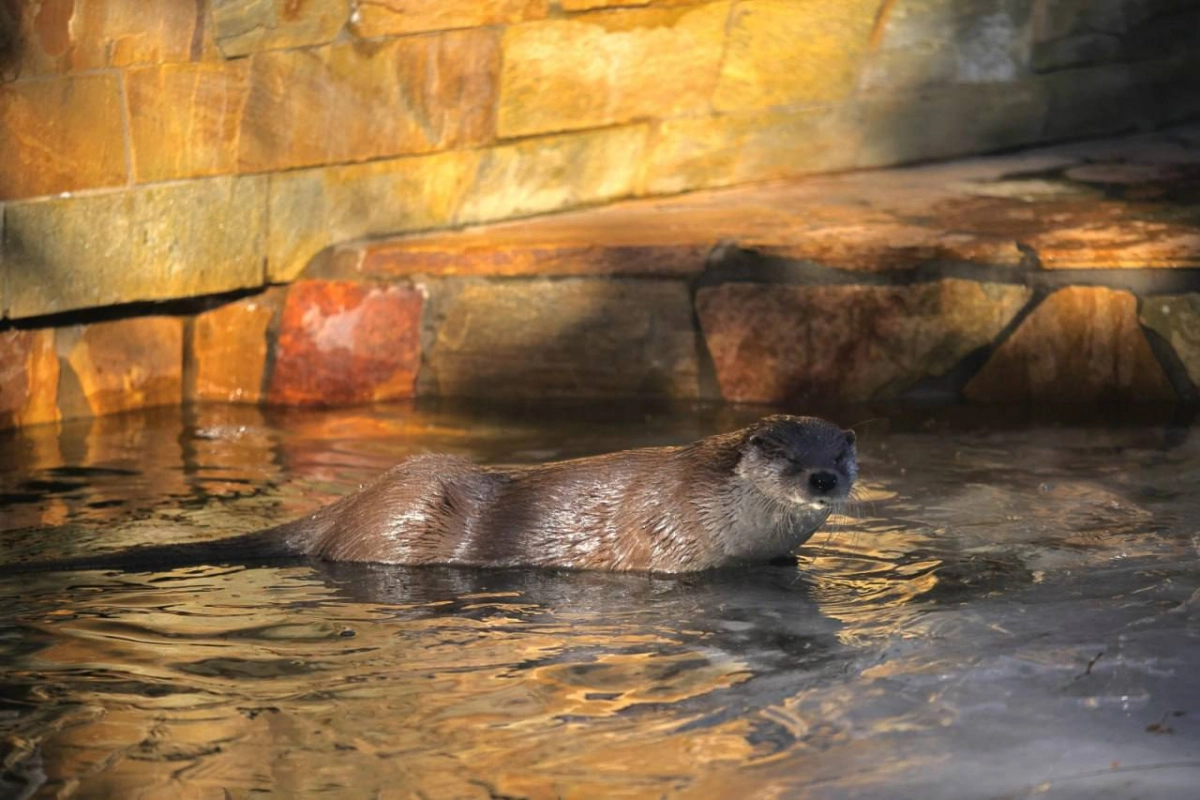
(1003, 611)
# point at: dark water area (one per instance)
(1009, 608)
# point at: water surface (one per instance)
(1007, 610)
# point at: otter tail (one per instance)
(288, 542)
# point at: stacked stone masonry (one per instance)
(306, 201)
(307, 123)
(1066, 274)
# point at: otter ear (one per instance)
(849, 437)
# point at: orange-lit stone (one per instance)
(229, 349)
(127, 364)
(1081, 344)
(595, 69)
(185, 118)
(28, 378)
(342, 343)
(381, 17)
(358, 101)
(783, 52)
(772, 343)
(67, 35)
(60, 134)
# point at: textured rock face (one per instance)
(356, 102)
(569, 338)
(783, 52)
(546, 86)
(28, 378)
(122, 365)
(60, 135)
(789, 343)
(244, 27)
(341, 343)
(162, 241)
(229, 349)
(1079, 345)
(380, 17)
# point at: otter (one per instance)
(752, 495)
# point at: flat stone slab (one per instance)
(1125, 203)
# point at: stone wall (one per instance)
(193, 152)
(189, 147)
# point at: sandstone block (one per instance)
(341, 343)
(552, 173)
(656, 62)
(718, 151)
(152, 243)
(1177, 319)
(127, 364)
(784, 52)
(69, 35)
(1081, 344)
(185, 118)
(28, 378)
(61, 134)
(384, 17)
(229, 349)
(359, 101)
(312, 209)
(1119, 244)
(243, 27)
(566, 338)
(774, 343)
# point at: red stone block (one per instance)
(341, 343)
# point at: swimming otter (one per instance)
(753, 495)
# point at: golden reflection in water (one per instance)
(199, 684)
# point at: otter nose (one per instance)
(823, 482)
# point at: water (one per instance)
(1008, 610)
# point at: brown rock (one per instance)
(243, 27)
(152, 243)
(773, 343)
(697, 152)
(553, 173)
(1081, 344)
(382, 17)
(28, 378)
(410, 95)
(127, 364)
(229, 349)
(185, 118)
(342, 343)
(546, 86)
(1119, 243)
(61, 135)
(952, 121)
(66, 35)
(1177, 319)
(782, 52)
(564, 338)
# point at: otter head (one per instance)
(800, 461)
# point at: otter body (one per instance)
(747, 496)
